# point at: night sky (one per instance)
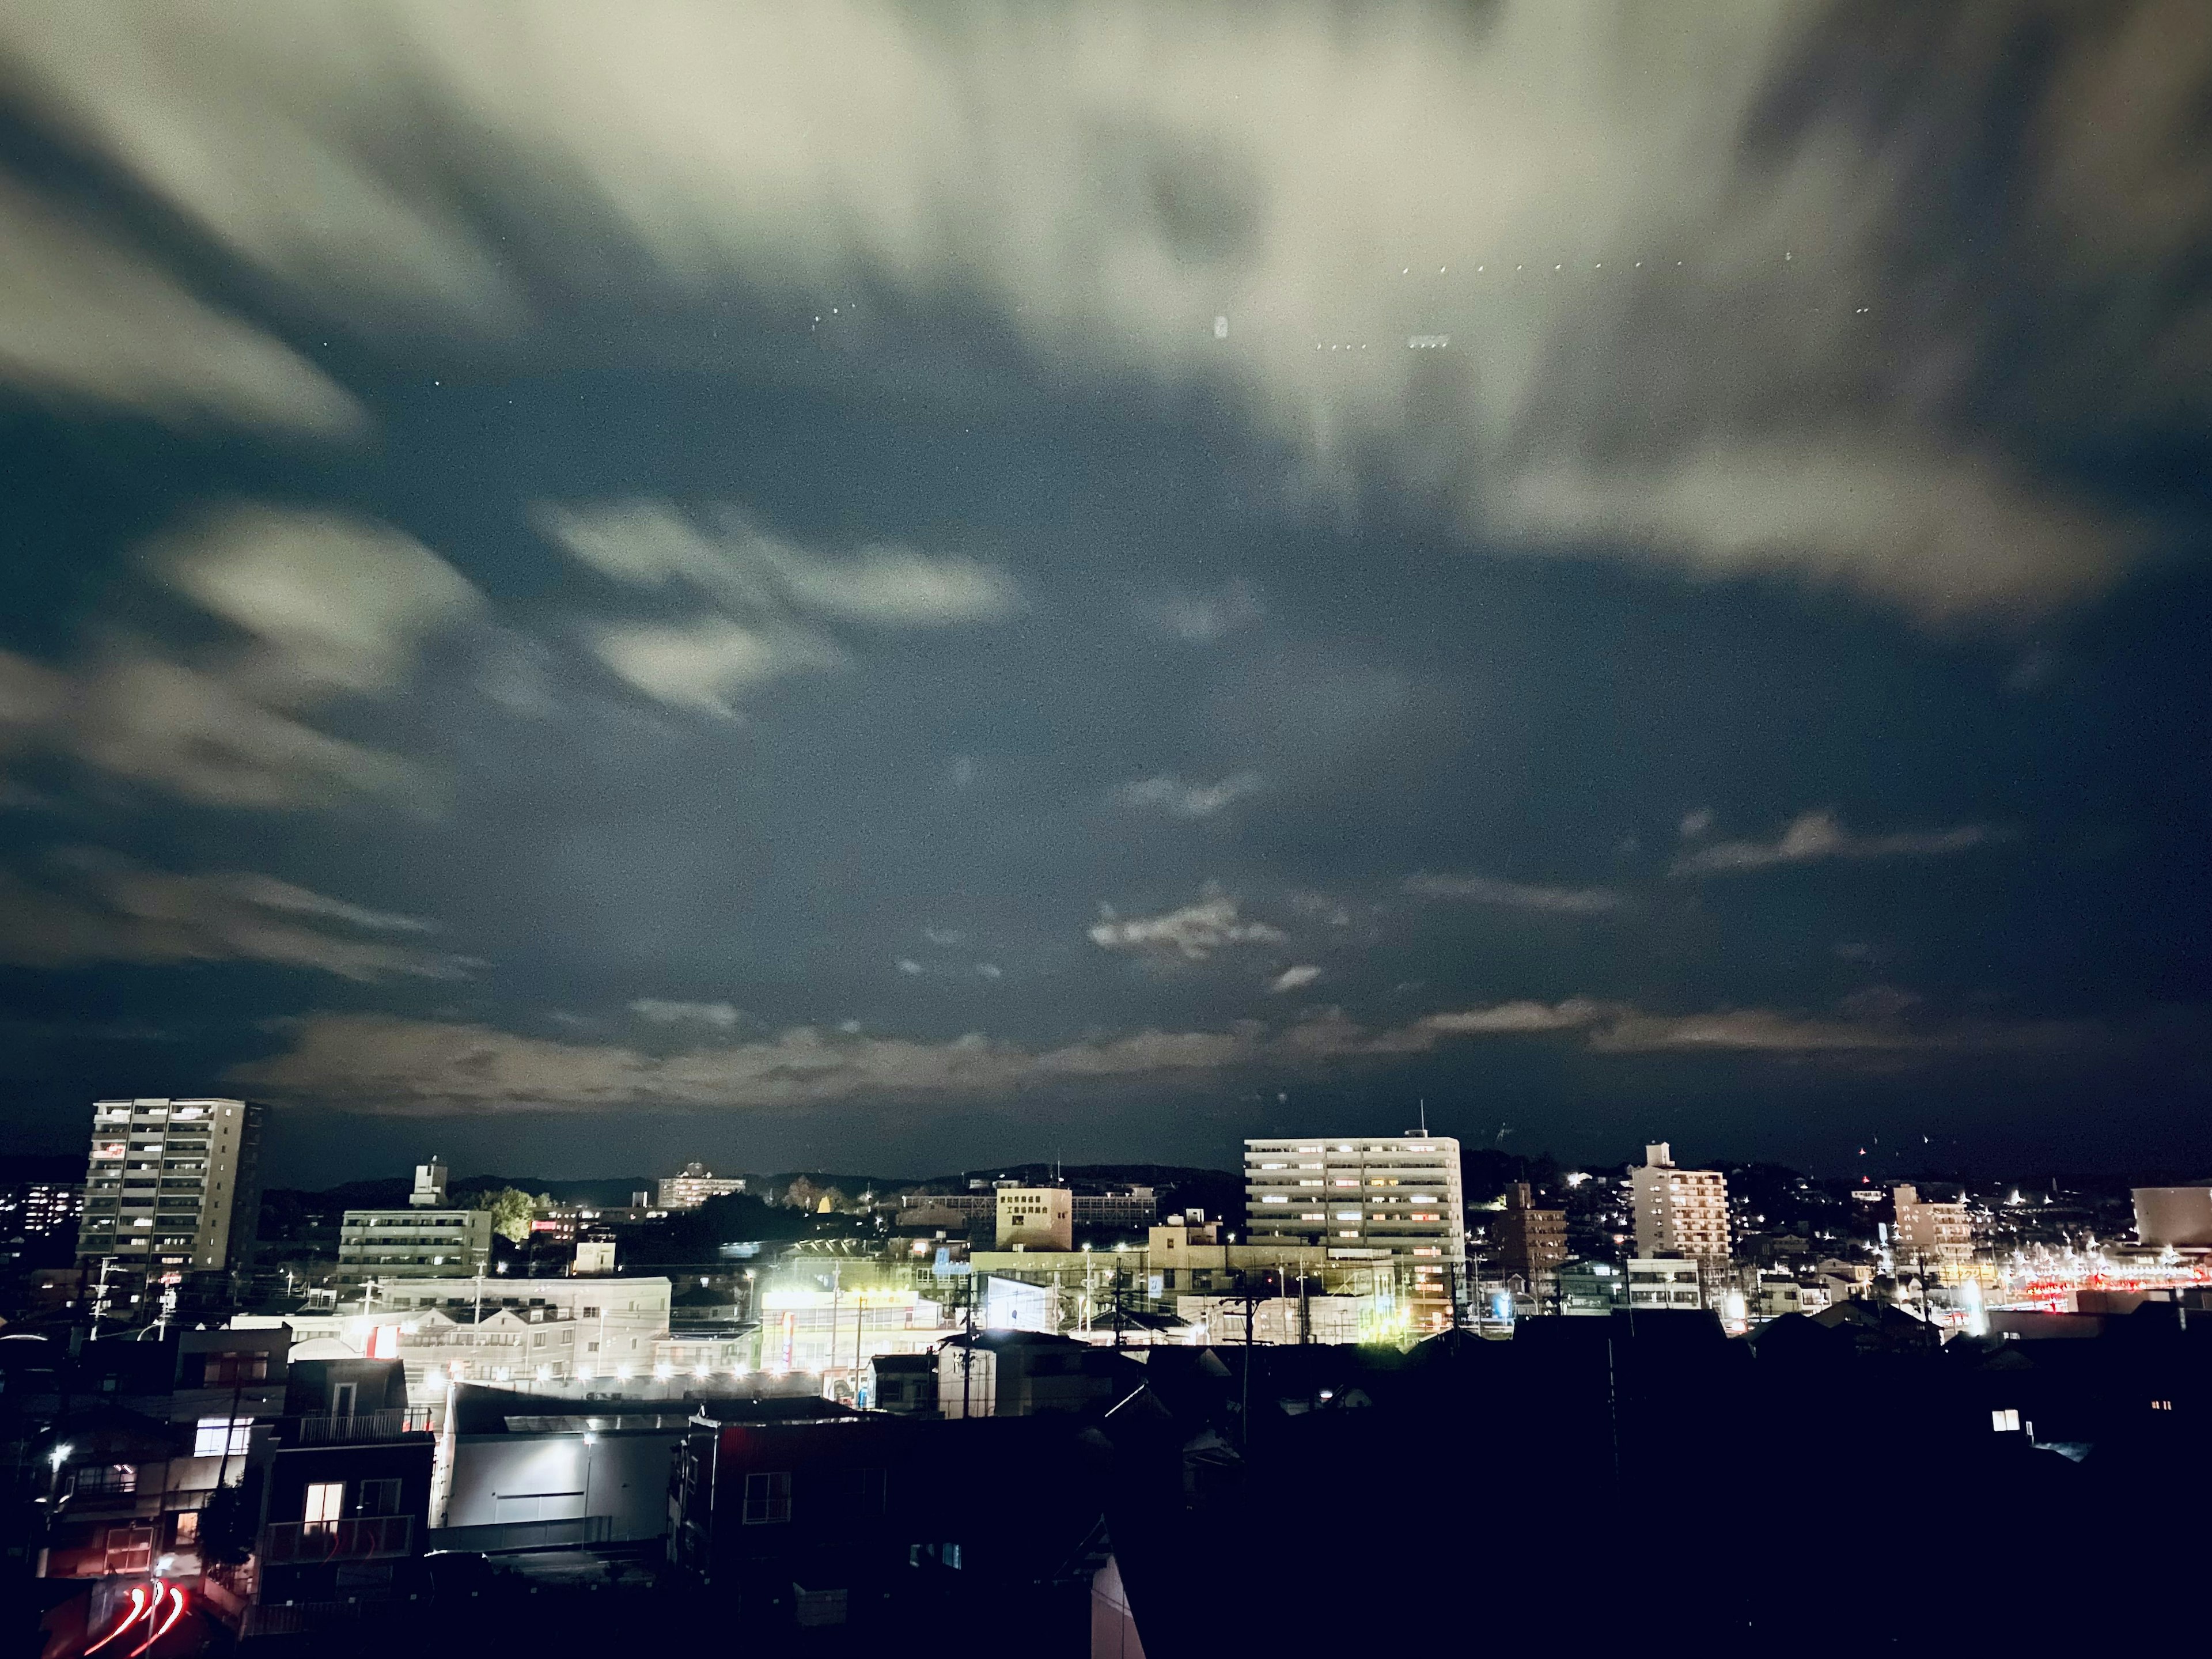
(898, 589)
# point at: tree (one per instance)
(229, 1518)
(512, 1211)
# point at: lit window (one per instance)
(2005, 1422)
(325, 1503)
(208, 1439)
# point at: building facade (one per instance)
(172, 1188)
(1660, 1283)
(1680, 1212)
(694, 1186)
(1041, 1217)
(1528, 1242)
(428, 1239)
(1395, 1202)
(1940, 1235)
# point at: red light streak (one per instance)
(176, 1612)
(139, 1609)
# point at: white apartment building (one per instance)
(617, 1323)
(1276, 1321)
(1036, 1217)
(428, 1239)
(1939, 1234)
(689, 1190)
(1395, 1201)
(1680, 1212)
(1659, 1283)
(171, 1188)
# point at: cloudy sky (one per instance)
(897, 588)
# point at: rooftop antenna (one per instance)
(1425, 1117)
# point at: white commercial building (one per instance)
(1396, 1202)
(1658, 1283)
(1276, 1321)
(689, 1190)
(1680, 1212)
(1036, 1218)
(617, 1323)
(1940, 1235)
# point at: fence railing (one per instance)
(363, 1537)
(583, 1530)
(351, 1428)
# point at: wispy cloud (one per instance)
(1294, 978)
(85, 319)
(769, 602)
(91, 906)
(660, 1011)
(1172, 795)
(1814, 838)
(318, 161)
(377, 1063)
(1514, 894)
(321, 608)
(1204, 618)
(1194, 933)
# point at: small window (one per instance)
(325, 1502)
(767, 1498)
(2005, 1422)
(208, 1439)
(378, 1497)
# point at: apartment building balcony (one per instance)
(356, 1428)
(363, 1537)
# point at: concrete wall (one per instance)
(500, 1478)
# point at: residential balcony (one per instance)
(363, 1537)
(356, 1428)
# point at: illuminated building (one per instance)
(1394, 1203)
(172, 1188)
(616, 1322)
(2180, 1217)
(180, 1418)
(1528, 1242)
(1939, 1235)
(689, 1190)
(1039, 1217)
(37, 1213)
(1658, 1283)
(428, 1239)
(1592, 1287)
(1680, 1212)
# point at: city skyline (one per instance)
(1096, 592)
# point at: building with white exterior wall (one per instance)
(428, 1239)
(1680, 1212)
(616, 1322)
(1939, 1235)
(1036, 1217)
(689, 1190)
(1659, 1283)
(1276, 1321)
(1395, 1202)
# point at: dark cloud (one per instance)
(887, 575)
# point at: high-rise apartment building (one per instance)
(172, 1188)
(1940, 1235)
(1395, 1202)
(1528, 1242)
(1680, 1212)
(698, 1183)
